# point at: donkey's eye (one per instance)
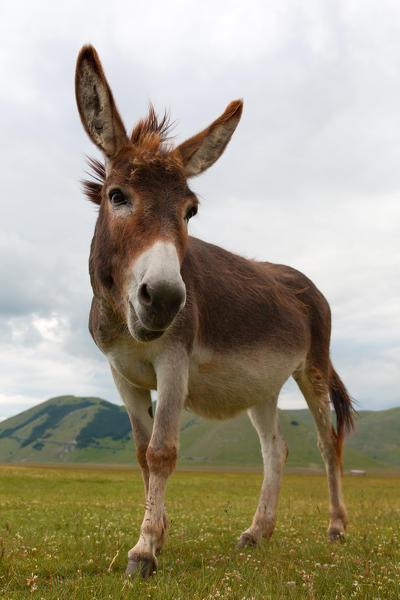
(190, 213)
(117, 198)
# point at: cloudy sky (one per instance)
(311, 177)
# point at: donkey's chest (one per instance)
(133, 362)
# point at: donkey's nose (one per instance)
(162, 295)
(160, 302)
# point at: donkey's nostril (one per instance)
(144, 294)
(158, 302)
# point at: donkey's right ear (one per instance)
(96, 104)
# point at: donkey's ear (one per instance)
(96, 104)
(202, 150)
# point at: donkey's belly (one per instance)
(221, 385)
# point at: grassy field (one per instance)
(64, 534)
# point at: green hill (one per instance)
(68, 429)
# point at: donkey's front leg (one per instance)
(161, 455)
(140, 412)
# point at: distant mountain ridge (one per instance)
(70, 429)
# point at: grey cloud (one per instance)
(26, 286)
(311, 177)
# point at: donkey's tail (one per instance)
(344, 408)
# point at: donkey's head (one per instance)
(145, 202)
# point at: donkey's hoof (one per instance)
(336, 534)
(246, 539)
(147, 566)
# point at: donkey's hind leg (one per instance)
(274, 450)
(311, 382)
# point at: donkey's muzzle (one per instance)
(159, 303)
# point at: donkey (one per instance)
(213, 332)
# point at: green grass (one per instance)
(64, 534)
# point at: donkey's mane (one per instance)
(152, 131)
(92, 187)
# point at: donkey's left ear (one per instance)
(96, 104)
(202, 150)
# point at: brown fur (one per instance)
(162, 461)
(141, 456)
(92, 187)
(207, 153)
(152, 133)
(343, 407)
(238, 313)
